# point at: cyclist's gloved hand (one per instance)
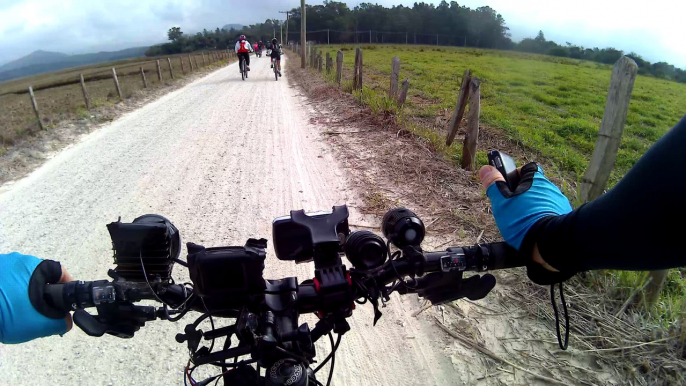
(515, 212)
(22, 278)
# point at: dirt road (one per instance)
(221, 158)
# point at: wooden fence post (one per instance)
(183, 70)
(355, 67)
(116, 82)
(357, 78)
(35, 108)
(190, 60)
(454, 124)
(339, 67)
(171, 72)
(197, 66)
(395, 72)
(328, 63)
(145, 81)
(319, 62)
(654, 288)
(203, 60)
(159, 71)
(403, 92)
(85, 93)
(610, 134)
(472, 131)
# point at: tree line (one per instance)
(454, 24)
(609, 55)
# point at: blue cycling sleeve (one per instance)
(19, 320)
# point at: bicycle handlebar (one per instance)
(479, 258)
(267, 311)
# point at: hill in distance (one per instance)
(39, 62)
(234, 26)
(36, 57)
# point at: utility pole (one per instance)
(327, 37)
(281, 32)
(303, 30)
(370, 36)
(288, 14)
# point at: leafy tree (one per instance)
(174, 34)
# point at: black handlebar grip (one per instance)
(54, 297)
(503, 256)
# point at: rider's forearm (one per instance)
(637, 225)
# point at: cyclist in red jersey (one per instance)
(243, 50)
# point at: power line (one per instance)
(288, 13)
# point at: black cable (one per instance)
(292, 355)
(181, 315)
(557, 317)
(392, 257)
(334, 347)
(211, 322)
(333, 363)
(190, 373)
(145, 275)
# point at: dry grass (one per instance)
(599, 325)
(396, 167)
(67, 102)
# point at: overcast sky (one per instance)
(653, 28)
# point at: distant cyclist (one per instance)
(276, 55)
(243, 50)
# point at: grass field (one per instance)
(17, 118)
(551, 105)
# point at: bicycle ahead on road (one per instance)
(227, 282)
(258, 53)
(243, 68)
(276, 70)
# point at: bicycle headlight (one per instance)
(402, 227)
(365, 250)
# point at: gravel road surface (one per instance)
(221, 158)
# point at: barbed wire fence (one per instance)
(331, 36)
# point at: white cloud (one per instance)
(652, 29)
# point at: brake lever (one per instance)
(109, 320)
(443, 287)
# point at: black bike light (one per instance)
(365, 250)
(402, 227)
